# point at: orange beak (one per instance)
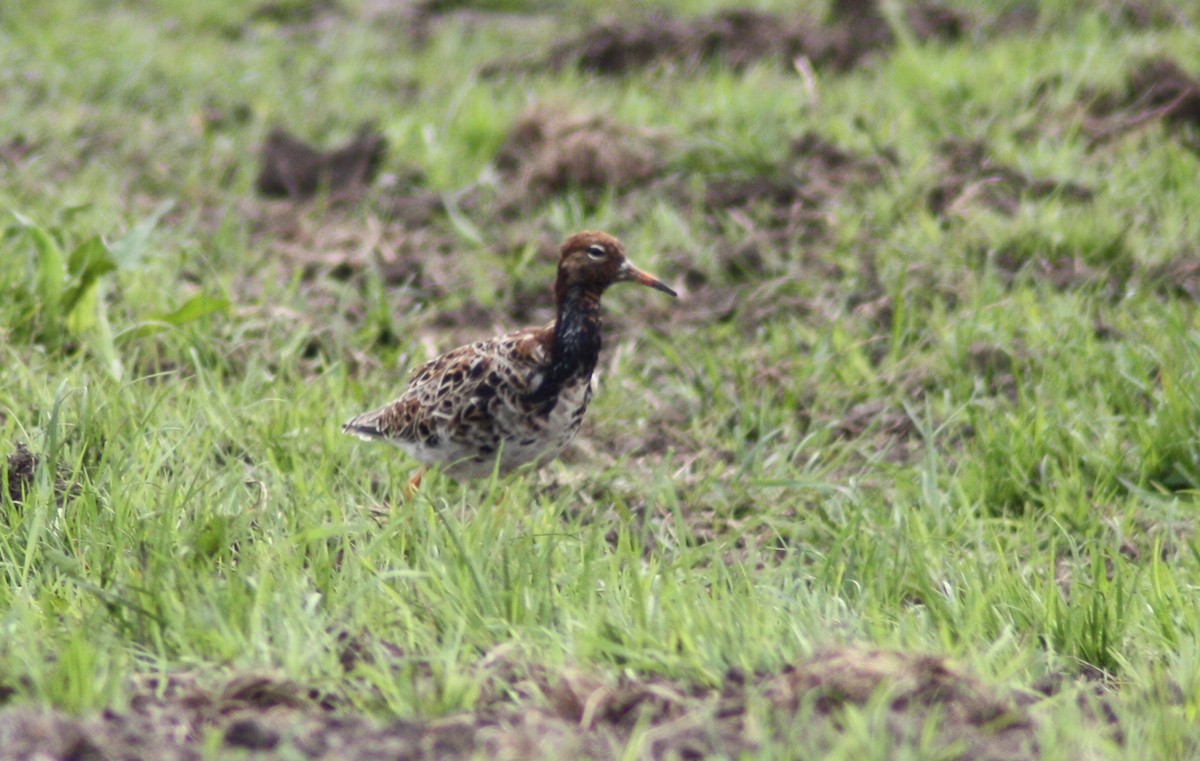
(629, 272)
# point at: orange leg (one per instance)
(414, 483)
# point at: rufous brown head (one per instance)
(596, 260)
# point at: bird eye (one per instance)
(596, 251)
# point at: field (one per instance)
(909, 470)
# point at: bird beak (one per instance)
(629, 272)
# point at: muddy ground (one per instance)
(526, 711)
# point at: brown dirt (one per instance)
(292, 13)
(1179, 277)
(15, 150)
(935, 21)
(995, 365)
(891, 421)
(21, 474)
(1064, 272)
(22, 468)
(340, 244)
(793, 199)
(790, 204)
(870, 301)
(295, 169)
(1109, 268)
(1170, 540)
(550, 150)
(736, 38)
(971, 176)
(880, 428)
(854, 32)
(526, 711)
(978, 721)
(1145, 14)
(1156, 90)
(418, 20)
(1095, 693)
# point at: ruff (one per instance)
(514, 399)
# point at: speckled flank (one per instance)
(519, 397)
(465, 406)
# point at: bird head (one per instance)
(595, 260)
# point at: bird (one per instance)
(517, 398)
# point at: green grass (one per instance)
(186, 383)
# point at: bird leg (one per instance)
(414, 483)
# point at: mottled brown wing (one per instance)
(461, 395)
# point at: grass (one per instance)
(997, 469)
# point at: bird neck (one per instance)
(575, 345)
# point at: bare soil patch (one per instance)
(1178, 277)
(1156, 90)
(736, 38)
(776, 210)
(1145, 14)
(419, 20)
(340, 244)
(551, 150)
(791, 201)
(293, 168)
(528, 711)
(1063, 271)
(20, 477)
(886, 420)
(976, 720)
(972, 176)
(1106, 266)
(854, 32)
(22, 468)
(15, 150)
(295, 13)
(995, 366)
